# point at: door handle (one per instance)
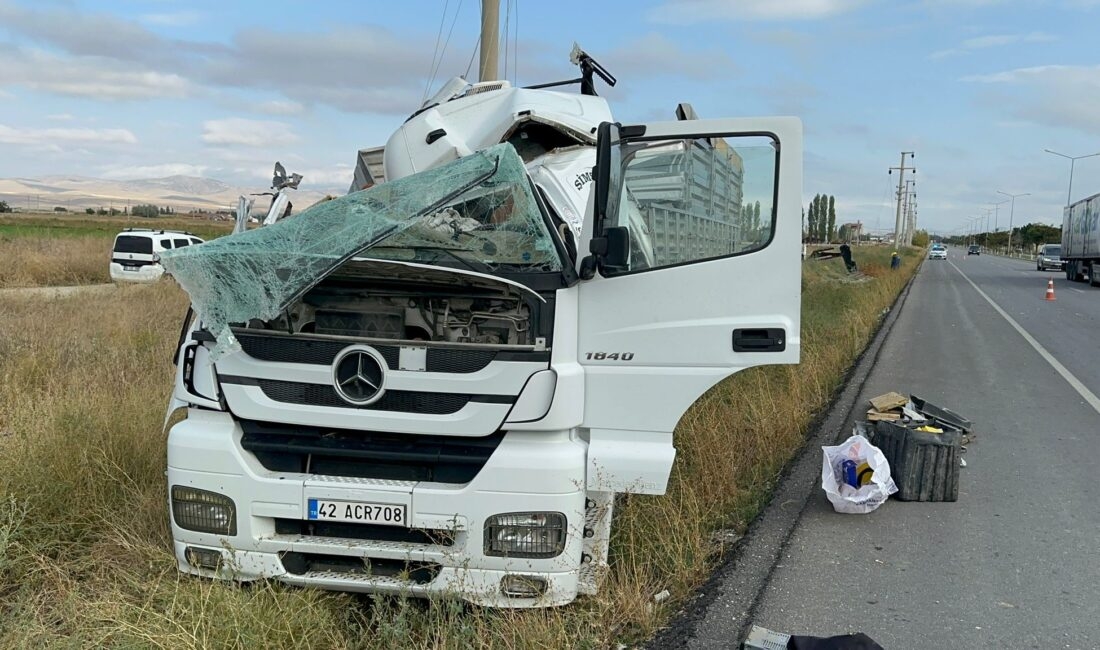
(759, 340)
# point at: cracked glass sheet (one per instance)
(477, 213)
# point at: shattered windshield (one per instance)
(474, 213)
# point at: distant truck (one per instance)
(1081, 240)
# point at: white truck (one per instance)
(437, 386)
(1080, 254)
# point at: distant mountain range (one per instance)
(182, 193)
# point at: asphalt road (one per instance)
(1015, 562)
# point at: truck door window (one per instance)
(688, 200)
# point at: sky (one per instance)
(976, 88)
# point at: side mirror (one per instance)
(617, 254)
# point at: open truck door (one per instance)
(692, 275)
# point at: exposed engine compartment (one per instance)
(410, 304)
(410, 316)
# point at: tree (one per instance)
(815, 218)
(89, 210)
(920, 238)
(145, 210)
(832, 218)
(756, 218)
(4, 207)
(822, 218)
(58, 208)
(811, 224)
(1035, 234)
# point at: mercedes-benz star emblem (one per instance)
(357, 375)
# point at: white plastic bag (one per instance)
(844, 497)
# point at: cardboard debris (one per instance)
(875, 416)
(889, 401)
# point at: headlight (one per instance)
(156, 258)
(525, 534)
(203, 511)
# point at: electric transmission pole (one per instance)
(898, 225)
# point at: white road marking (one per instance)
(1073, 381)
(1078, 290)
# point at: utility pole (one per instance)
(910, 211)
(1072, 159)
(901, 180)
(490, 40)
(1011, 213)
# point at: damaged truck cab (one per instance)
(436, 386)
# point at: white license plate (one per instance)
(360, 512)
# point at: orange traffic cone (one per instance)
(1050, 289)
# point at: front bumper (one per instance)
(527, 472)
(146, 273)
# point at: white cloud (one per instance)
(173, 19)
(686, 12)
(993, 40)
(56, 137)
(87, 76)
(134, 172)
(249, 133)
(281, 107)
(61, 117)
(1062, 96)
(655, 54)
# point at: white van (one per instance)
(135, 257)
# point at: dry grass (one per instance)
(50, 261)
(84, 543)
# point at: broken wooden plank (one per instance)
(889, 401)
(875, 416)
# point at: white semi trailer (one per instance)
(1081, 240)
(436, 386)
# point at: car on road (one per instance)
(1049, 257)
(974, 249)
(938, 252)
(135, 256)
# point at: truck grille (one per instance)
(404, 401)
(365, 454)
(368, 532)
(303, 350)
(299, 564)
(321, 352)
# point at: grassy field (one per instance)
(60, 250)
(84, 541)
(65, 226)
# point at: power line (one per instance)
(443, 52)
(435, 52)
